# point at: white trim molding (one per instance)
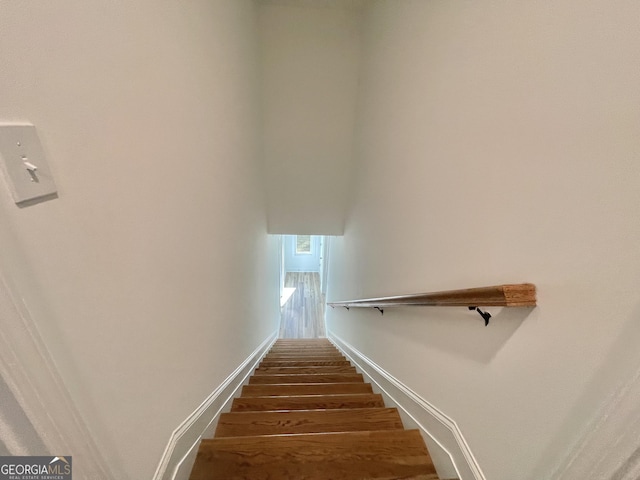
(433, 423)
(28, 370)
(179, 455)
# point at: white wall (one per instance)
(498, 142)
(149, 276)
(309, 58)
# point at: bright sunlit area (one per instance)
(303, 285)
(286, 295)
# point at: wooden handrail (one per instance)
(513, 295)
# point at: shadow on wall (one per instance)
(457, 330)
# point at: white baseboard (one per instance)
(178, 458)
(436, 427)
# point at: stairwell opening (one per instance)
(303, 285)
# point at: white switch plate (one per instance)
(20, 152)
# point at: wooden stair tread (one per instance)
(281, 357)
(307, 378)
(307, 370)
(389, 454)
(304, 350)
(305, 389)
(298, 353)
(307, 414)
(315, 360)
(303, 340)
(307, 421)
(303, 346)
(293, 348)
(303, 363)
(307, 402)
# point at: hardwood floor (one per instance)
(303, 314)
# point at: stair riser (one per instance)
(316, 378)
(302, 358)
(312, 402)
(309, 353)
(305, 389)
(303, 341)
(304, 354)
(304, 363)
(302, 370)
(302, 349)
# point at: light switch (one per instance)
(25, 167)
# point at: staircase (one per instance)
(307, 414)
